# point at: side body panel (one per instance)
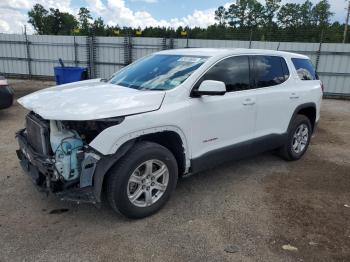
(308, 91)
(276, 104)
(220, 121)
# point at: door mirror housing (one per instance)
(210, 88)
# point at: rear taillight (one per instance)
(322, 87)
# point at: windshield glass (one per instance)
(158, 72)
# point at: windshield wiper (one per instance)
(151, 89)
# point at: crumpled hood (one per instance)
(89, 100)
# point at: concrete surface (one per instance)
(251, 208)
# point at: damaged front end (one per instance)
(58, 158)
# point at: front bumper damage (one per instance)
(40, 168)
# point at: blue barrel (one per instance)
(69, 74)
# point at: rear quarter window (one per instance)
(305, 69)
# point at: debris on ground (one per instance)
(231, 249)
(289, 248)
(59, 211)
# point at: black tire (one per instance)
(287, 152)
(119, 175)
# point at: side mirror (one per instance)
(210, 88)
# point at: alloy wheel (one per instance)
(300, 138)
(147, 183)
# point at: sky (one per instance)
(135, 13)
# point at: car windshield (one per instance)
(158, 72)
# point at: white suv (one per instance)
(172, 113)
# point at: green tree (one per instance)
(220, 15)
(246, 19)
(236, 13)
(60, 23)
(68, 23)
(270, 10)
(84, 20)
(306, 13)
(54, 21)
(322, 13)
(113, 30)
(99, 27)
(289, 15)
(37, 18)
(254, 13)
(245, 13)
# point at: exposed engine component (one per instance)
(66, 146)
(37, 132)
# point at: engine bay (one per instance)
(67, 147)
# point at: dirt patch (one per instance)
(308, 207)
(325, 136)
(309, 202)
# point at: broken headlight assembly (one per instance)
(89, 129)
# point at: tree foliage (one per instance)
(37, 16)
(84, 20)
(242, 20)
(52, 22)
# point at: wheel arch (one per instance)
(173, 142)
(308, 110)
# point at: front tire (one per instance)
(298, 138)
(143, 180)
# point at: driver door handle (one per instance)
(293, 96)
(248, 102)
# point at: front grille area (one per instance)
(38, 133)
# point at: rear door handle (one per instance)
(294, 96)
(248, 102)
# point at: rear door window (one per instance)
(305, 69)
(269, 70)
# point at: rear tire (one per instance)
(298, 139)
(142, 181)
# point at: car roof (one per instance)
(222, 52)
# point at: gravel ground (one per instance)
(251, 208)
